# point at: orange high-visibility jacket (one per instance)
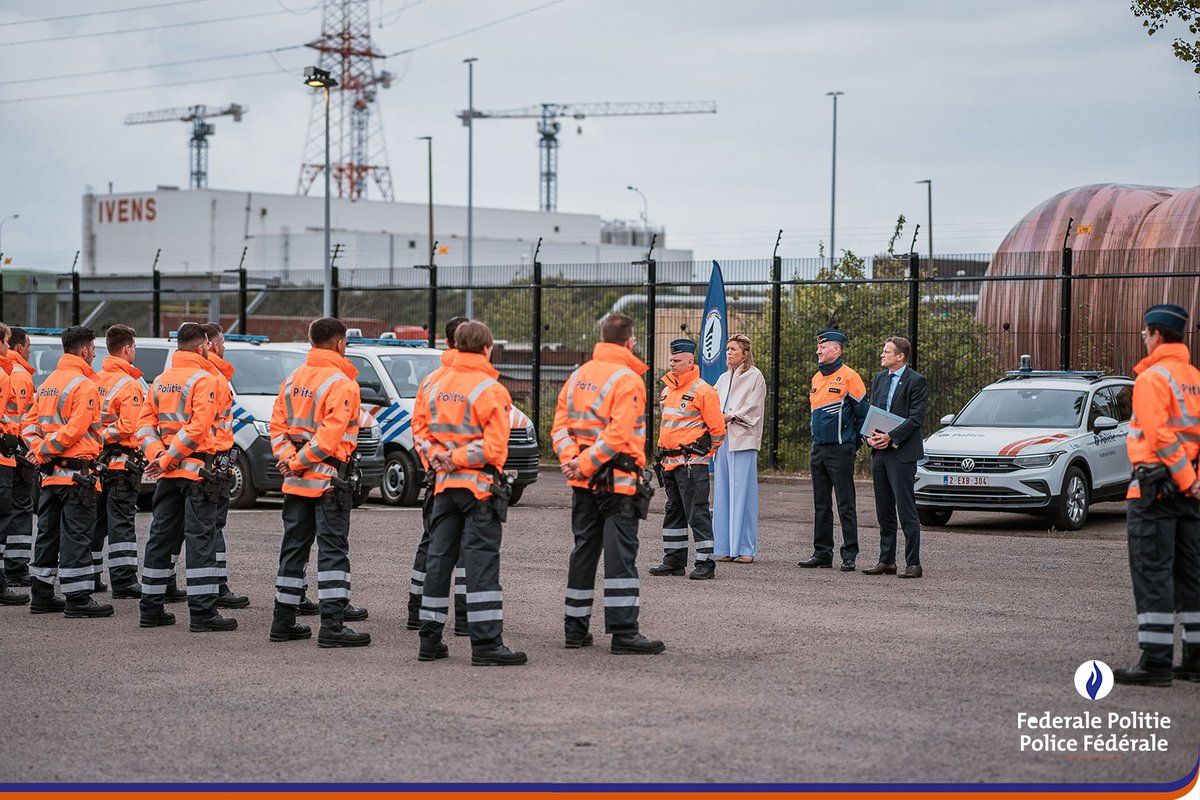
(689, 408)
(22, 395)
(420, 416)
(121, 397)
(64, 420)
(469, 418)
(601, 413)
(224, 422)
(176, 427)
(315, 418)
(8, 424)
(1166, 415)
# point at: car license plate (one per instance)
(964, 480)
(512, 473)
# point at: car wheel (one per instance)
(517, 490)
(401, 479)
(242, 493)
(360, 496)
(934, 516)
(1070, 509)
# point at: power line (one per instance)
(150, 28)
(151, 66)
(98, 13)
(474, 29)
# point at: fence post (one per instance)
(334, 298)
(242, 301)
(74, 298)
(776, 335)
(2, 291)
(651, 313)
(431, 319)
(914, 302)
(156, 304)
(1064, 322)
(536, 364)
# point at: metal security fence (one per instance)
(970, 317)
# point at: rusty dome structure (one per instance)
(1127, 230)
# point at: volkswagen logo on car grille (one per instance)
(968, 464)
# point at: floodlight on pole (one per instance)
(6, 219)
(470, 62)
(645, 207)
(929, 214)
(318, 78)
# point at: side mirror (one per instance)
(371, 393)
(1104, 424)
(947, 420)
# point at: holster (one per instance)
(345, 484)
(501, 492)
(10, 443)
(1155, 482)
(701, 447)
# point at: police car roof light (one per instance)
(232, 337)
(1016, 374)
(44, 331)
(388, 342)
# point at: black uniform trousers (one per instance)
(6, 479)
(325, 521)
(461, 524)
(687, 506)
(16, 525)
(115, 521)
(223, 484)
(66, 517)
(416, 583)
(185, 511)
(833, 471)
(603, 522)
(1164, 563)
(893, 482)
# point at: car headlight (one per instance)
(1037, 462)
(531, 434)
(263, 429)
(372, 433)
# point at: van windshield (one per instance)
(262, 371)
(407, 370)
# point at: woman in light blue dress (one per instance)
(743, 393)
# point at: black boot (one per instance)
(47, 604)
(342, 636)
(432, 649)
(287, 632)
(213, 624)
(1189, 668)
(307, 608)
(11, 597)
(575, 641)
(86, 607)
(704, 571)
(128, 592)
(636, 644)
(227, 599)
(161, 619)
(1145, 673)
(499, 656)
(667, 569)
(354, 614)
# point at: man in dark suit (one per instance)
(900, 390)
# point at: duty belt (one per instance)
(77, 464)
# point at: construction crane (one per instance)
(201, 130)
(548, 127)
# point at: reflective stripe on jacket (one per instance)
(223, 370)
(1165, 427)
(121, 398)
(315, 417)
(421, 412)
(64, 420)
(601, 414)
(176, 427)
(690, 407)
(469, 418)
(839, 406)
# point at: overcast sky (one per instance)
(1001, 104)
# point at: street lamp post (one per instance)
(645, 211)
(2, 221)
(320, 79)
(833, 184)
(929, 215)
(432, 321)
(470, 62)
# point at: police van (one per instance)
(389, 373)
(261, 368)
(1043, 442)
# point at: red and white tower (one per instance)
(357, 154)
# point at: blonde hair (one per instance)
(743, 341)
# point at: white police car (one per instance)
(1041, 442)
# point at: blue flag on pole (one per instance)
(715, 330)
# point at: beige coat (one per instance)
(746, 405)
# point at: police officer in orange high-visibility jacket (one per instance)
(223, 370)
(16, 527)
(177, 434)
(10, 431)
(692, 429)
(62, 432)
(1162, 508)
(314, 435)
(467, 446)
(838, 398)
(599, 436)
(122, 392)
(420, 430)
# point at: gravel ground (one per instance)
(771, 674)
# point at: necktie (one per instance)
(891, 389)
